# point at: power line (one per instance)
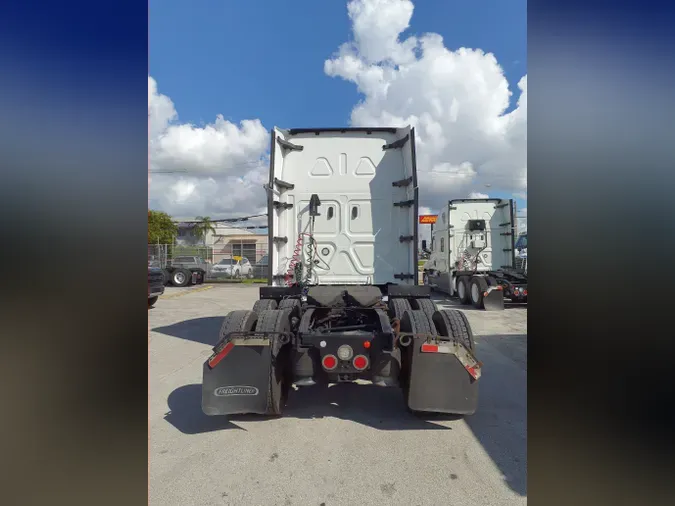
(221, 170)
(228, 220)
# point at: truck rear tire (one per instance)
(478, 287)
(417, 321)
(464, 290)
(399, 306)
(426, 305)
(280, 377)
(264, 305)
(453, 323)
(181, 277)
(293, 305)
(152, 300)
(238, 321)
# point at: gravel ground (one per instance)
(344, 445)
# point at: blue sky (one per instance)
(265, 59)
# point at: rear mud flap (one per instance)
(494, 301)
(440, 383)
(240, 382)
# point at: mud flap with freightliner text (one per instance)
(443, 377)
(236, 377)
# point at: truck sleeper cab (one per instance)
(343, 302)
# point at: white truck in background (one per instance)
(521, 252)
(473, 254)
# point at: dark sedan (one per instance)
(155, 284)
(260, 269)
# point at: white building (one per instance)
(227, 240)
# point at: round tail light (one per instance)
(360, 362)
(329, 362)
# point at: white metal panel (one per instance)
(493, 256)
(358, 230)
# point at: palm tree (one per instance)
(203, 227)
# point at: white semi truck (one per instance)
(473, 254)
(521, 252)
(344, 302)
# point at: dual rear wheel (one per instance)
(471, 290)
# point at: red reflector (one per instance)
(329, 362)
(213, 361)
(524, 292)
(360, 362)
(366, 344)
(472, 372)
(430, 348)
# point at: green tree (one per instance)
(203, 226)
(161, 229)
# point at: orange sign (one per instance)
(428, 218)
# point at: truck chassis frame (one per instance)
(393, 336)
(482, 289)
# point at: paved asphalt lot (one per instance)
(347, 445)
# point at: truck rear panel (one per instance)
(497, 213)
(365, 180)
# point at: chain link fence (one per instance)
(237, 260)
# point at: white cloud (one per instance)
(456, 99)
(224, 164)
(478, 195)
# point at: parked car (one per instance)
(155, 284)
(260, 269)
(234, 267)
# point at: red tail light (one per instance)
(213, 361)
(360, 362)
(329, 362)
(429, 348)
